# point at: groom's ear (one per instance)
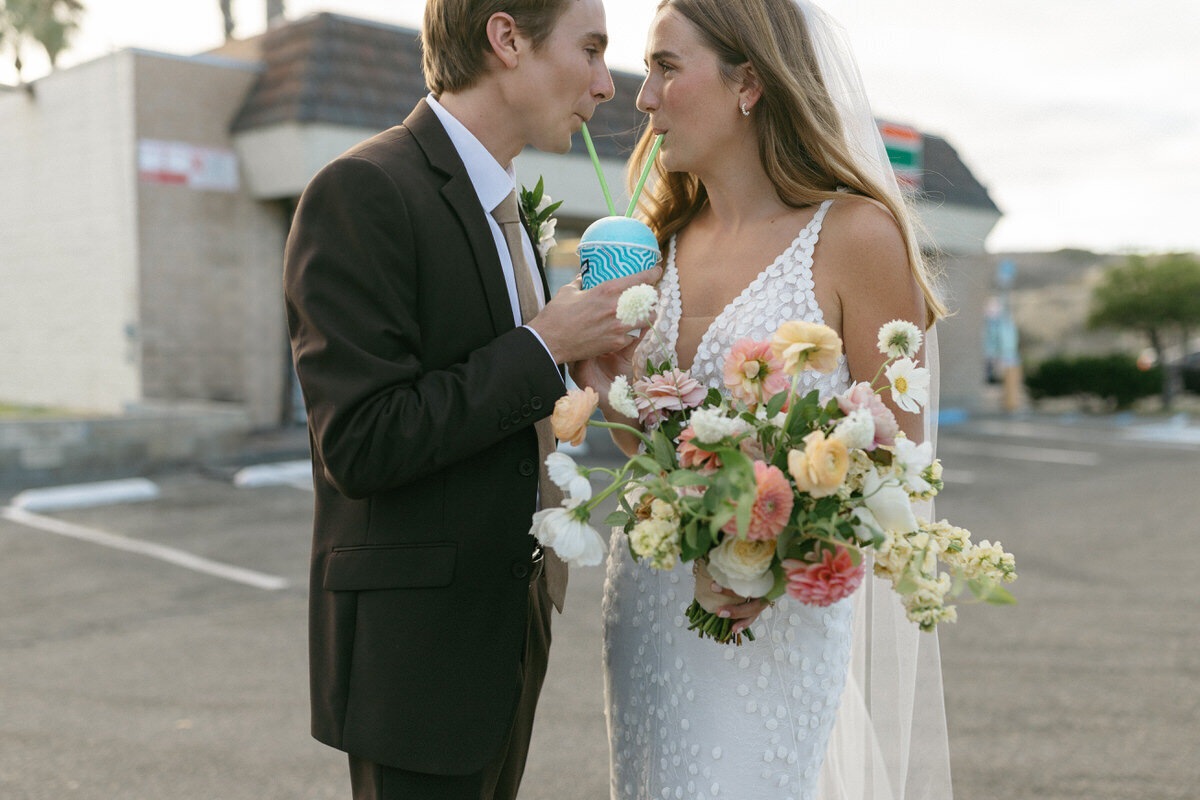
(748, 86)
(504, 38)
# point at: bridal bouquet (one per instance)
(770, 492)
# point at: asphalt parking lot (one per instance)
(170, 662)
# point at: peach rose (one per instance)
(806, 345)
(820, 468)
(571, 414)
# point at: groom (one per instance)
(429, 361)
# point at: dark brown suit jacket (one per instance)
(421, 397)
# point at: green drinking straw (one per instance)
(645, 174)
(587, 139)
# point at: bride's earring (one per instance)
(745, 110)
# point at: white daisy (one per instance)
(910, 384)
(899, 339)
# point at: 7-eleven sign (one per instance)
(906, 151)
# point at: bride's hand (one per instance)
(744, 610)
(599, 372)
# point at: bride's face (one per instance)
(686, 96)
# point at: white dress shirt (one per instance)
(492, 183)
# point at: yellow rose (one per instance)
(571, 414)
(821, 466)
(806, 345)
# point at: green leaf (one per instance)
(906, 585)
(538, 191)
(720, 519)
(991, 592)
(775, 405)
(745, 508)
(644, 463)
(664, 453)
(780, 582)
(617, 518)
(685, 477)
(786, 536)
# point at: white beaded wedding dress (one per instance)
(689, 718)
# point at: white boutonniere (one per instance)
(539, 208)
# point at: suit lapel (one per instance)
(460, 194)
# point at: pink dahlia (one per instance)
(753, 373)
(825, 582)
(861, 395)
(658, 395)
(691, 456)
(772, 504)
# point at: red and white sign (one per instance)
(205, 169)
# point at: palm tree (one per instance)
(49, 23)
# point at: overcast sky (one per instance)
(1082, 117)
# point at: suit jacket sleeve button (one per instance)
(536, 403)
(515, 417)
(519, 570)
(526, 409)
(526, 467)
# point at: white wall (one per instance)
(68, 244)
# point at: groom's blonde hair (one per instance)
(454, 40)
(802, 145)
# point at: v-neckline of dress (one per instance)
(673, 273)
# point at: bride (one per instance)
(772, 201)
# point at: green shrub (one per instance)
(1114, 379)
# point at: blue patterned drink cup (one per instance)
(614, 247)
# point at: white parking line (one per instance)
(1076, 458)
(179, 558)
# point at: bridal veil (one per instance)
(890, 740)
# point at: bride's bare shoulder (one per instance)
(862, 244)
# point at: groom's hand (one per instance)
(579, 324)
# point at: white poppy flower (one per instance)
(889, 504)
(910, 384)
(567, 476)
(913, 460)
(899, 339)
(568, 533)
(864, 523)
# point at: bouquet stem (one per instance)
(719, 629)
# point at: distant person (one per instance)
(774, 201)
(429, 361)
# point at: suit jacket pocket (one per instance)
(390, 566)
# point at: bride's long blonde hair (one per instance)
(802, 145)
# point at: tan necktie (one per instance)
(507, 215)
